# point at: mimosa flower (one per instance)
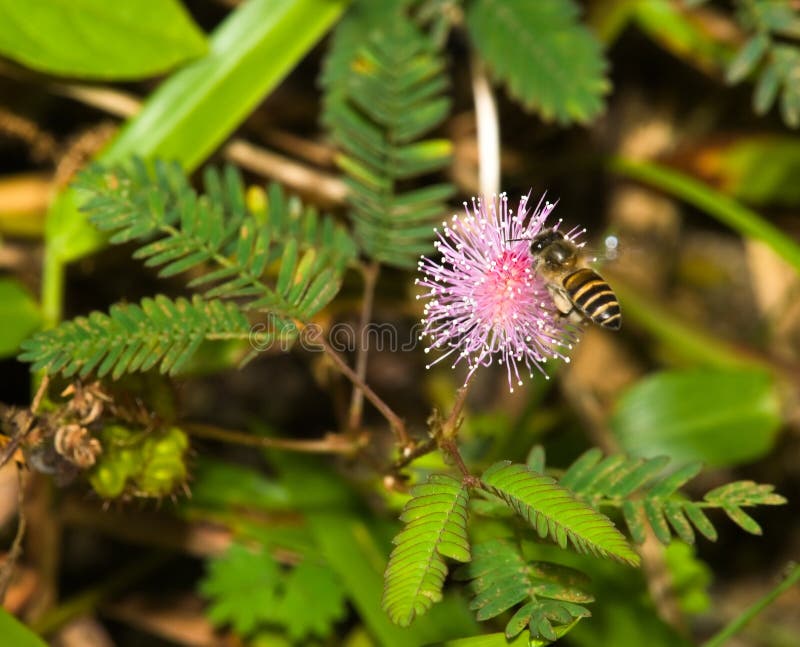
(485, 300)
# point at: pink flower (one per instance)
(484, 297)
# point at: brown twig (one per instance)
(370, 274)
(330, 444)
(396, 423)
(324, 187)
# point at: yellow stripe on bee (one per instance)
(599, 295)
(587, 287)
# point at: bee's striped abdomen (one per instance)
(595, 299)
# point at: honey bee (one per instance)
(579, 292)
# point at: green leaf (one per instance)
(311, 602)
(555, 513)
(747, 58)
(242, 588)
(98, 39)
(18, 312)
(353, 549)
(377, 107)
(719, 416)
(549, 593)
(134, 337)
(224, 485)
(549, 61)
(682, 34)
(745, 493)
(184, 231)
(17, 634)
(194, 110)
(767, 87)
(436, 527)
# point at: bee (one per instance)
(579, 292)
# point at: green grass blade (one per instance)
(716, 204)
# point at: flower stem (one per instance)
(453, 423)
(371, 272)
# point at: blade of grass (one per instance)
(738, 623)
(716, 204)
(194, 110)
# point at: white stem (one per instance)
(488, 127)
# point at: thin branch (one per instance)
(370, 273)
(395, 422)
(488, 129)
(330, 444)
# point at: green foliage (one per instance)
(132, 337)
(648, 495)
(100, 37)
(682, 34)
(140, 462)
(555, 512)
(549, 61)
(249, 591)
(377, 108)
(549, 593)
(17, 634)
(721, 417)
(690, 578)
(436, 527)
(768, 53)
(242, 588)
(134, 202)
(197, 108)
(229, 248)
(18, 312)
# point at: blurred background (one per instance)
(681, 144)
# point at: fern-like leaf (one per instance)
(436, 527)
(649, 495)
(554, 512)
(550, 594)
(218, 236)
(550, 62)
(378, 108)
(134, 337)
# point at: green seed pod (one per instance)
(164, 468)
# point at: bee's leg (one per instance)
(561, 300)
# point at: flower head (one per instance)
(485, 299)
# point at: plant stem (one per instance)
(488, 129)
(370, 273)
(395, 422)
(738, 623)
(330, 444)
(52, 288)
(452, 424)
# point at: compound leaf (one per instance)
(549, 61)
(436, 527)
(550, 594)
(556, 513)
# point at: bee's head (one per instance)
(553, 249)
